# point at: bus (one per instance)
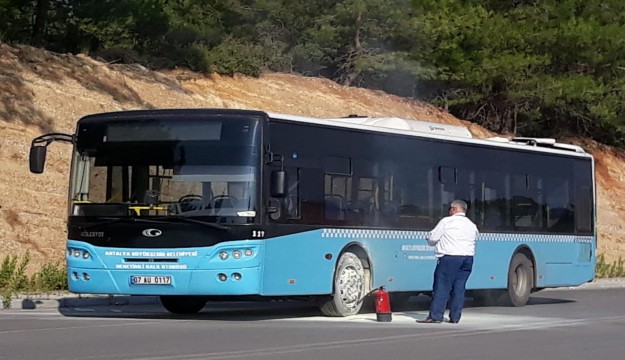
(197, 205)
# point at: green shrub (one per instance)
(6, 270)
(230, 57)
(52, 277)
(13, 279)
(13, 272)
(7, 296)
(605, 270)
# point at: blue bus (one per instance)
(194, 205)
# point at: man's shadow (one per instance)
(422, 303)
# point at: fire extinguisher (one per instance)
(382, 305)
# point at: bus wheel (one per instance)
(520, 280)
(349, 288)
(178, 304)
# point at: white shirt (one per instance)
(454, 235)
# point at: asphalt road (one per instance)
(558, 324)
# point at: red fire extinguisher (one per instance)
(382, 305)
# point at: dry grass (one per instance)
(11, 217)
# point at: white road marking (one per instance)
(446, 330)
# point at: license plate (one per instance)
(150, 280)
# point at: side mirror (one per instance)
(37, 159)
(278, 183)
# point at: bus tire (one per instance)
(350, 288)
(520, 281)
(179, 304)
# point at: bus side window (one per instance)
(492, 215)
(334, 207)
(562, 219)
(583, 212)
(292, 198)
(337, 190)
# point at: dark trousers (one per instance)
(450, 279)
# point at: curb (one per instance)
(609, 283)
(69, 300)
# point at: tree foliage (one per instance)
(543, 67)
(528, 67)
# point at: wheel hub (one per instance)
(350, 286)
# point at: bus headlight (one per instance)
(223, 255)
(248, 252)
(236, 254)
(78, 253)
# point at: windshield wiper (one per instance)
(120, 219)
(154, 220)
(171, 219)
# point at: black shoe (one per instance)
(453, 321)
(429, 320)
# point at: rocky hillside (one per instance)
(42, 91)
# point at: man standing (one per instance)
(454, 239)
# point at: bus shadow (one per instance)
(262, 310)
(221, 311)
(422, 303)
(537, 300)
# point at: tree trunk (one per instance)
(353, 74)
(41, 17)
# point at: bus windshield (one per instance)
(168, 172)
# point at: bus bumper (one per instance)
(181, 282)
(229, 268)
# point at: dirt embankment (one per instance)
(42, 91)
